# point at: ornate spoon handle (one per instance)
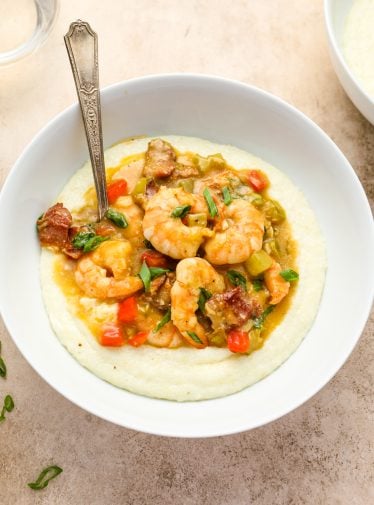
(81, 44)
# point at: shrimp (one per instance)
(104, 273)
(134, 216)
(168, 234)
(168, 336)
(239, 233)
(277, 286)
(191, 275)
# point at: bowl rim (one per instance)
(330, 372)
(338, 52)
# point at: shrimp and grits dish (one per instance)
(203, 277)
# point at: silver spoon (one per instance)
(81, 44)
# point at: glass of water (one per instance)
(24, 26)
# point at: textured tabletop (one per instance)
(322, 453)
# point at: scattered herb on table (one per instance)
(45, 476)
(8, 406)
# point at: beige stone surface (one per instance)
(322, 453)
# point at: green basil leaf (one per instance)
(194, 337)
(8, 403)
(227, 199)
(93, 243)
(181, 211)
(203, 298)
(213, 211)
(117, 218)
(145, 276)
(2, 368)
(81, 238)
(257, 285)
(8, 406)
(45, 476)
(259, 321)
(156, 271)
(289, 275)
(163, 321)
(237, 279)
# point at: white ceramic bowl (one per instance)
(336, 12)
(222, 111)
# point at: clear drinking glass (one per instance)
(24, 26)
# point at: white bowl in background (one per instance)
(336, 12)
(226, 112)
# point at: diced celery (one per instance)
(140, 186)
(197, 220)
(271, 247)
(210, 162)
(258, 263)
(187, 185)
(274, 211)
(218, 339)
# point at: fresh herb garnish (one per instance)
(227, 198)
(8, 406)
(237, 279)
(93, 243)
(259, 321)
(213, 211)
(181, 211)
(163, 321)
(81, 238)
(117, 218)
(45, 476)
(145, 275)
(203, 298)
(257, 285)
(2, 368)
(157, 272)
(194, 337)
(289, 275)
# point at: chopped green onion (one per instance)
(213, 211)
(93, 243)
(181, 211)
(257, 285)
(45, 476)
(163, 321)
(145, 276)
(203, 298)
(237, 279)
(227, 199)
(289, 275)
(194, 337)
(2, 368)
(80, 239)
(117, 218)
(259, 321)
(8, 406)
(157, 272)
